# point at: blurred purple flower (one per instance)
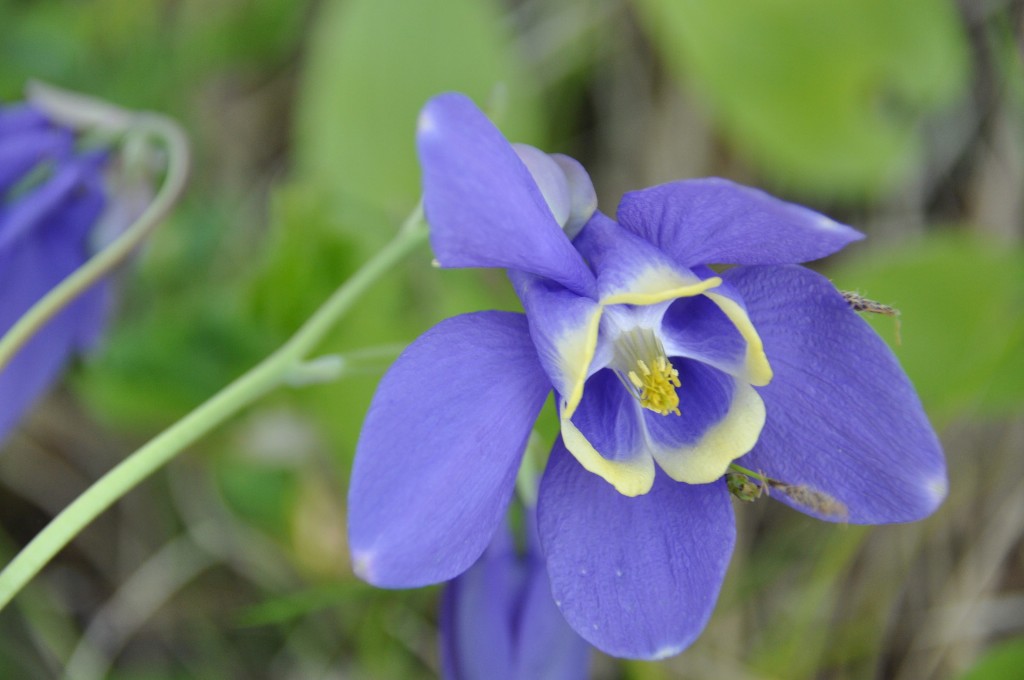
(664, 373)
(498, 621)
(51, 196)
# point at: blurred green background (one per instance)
(905, 119)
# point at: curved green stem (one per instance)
(171, 134)
(265, 376)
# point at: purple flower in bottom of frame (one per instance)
(498, 621)
(665, 371)
(51, 197)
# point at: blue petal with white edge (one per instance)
(565, 184)
(549, 178)
(564, 327)
(483, 206)
(715, 221)
(757, 369)
(437, 457)
(606, 435)
(631, 271)
(582, 197)
(720, 420)
(697, 328)
(635, 577)
(843, 419)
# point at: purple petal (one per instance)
(715, 221)
(843, 418)
(478, 613)
(20, 118)
(440, 446)
(636, 577)
(22, 152)
(547, 649)
(28, 270)
(498, 620)
(484, 207)
(33, 209)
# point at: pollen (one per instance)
(646, 372)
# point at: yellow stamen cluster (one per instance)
(646, 372)
(657, 386)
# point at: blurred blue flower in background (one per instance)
(498, 621)
(51, 197)
(665, 372)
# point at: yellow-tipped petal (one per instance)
(658, 284)
(758, 370)
(731, 437)
(633, 477)
(576, 352)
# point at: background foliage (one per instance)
(905, 119)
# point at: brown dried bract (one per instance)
(813, 499)
(863, 304)
(859, 303)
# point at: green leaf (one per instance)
(157, 368)
(307, 256)
(1001, 662)
(824, 95)
(287, 608)
(797, 647)
(961, 325)
(262, 494)
(180, 334)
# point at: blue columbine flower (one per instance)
(498, 621)
(51, 196)
(664, 370)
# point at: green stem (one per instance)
(389, 351)
(528, 477)
(749, 473)
(259, 380)
(105, 260)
